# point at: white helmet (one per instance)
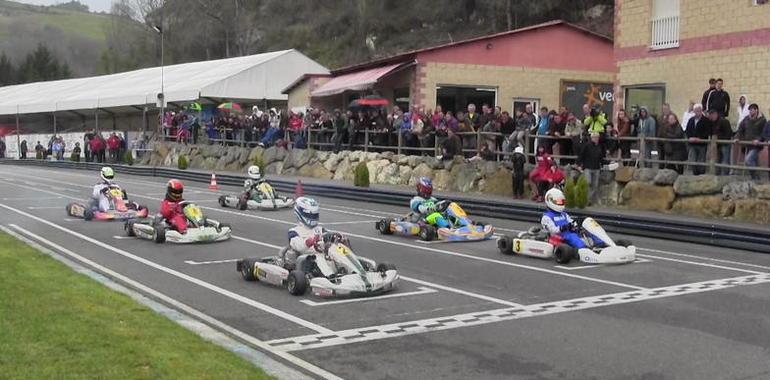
(306, 210)
(107, 174)
(554, 200)
(254, 172)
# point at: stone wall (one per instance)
(663, 191)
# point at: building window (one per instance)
(520, 104)
(457, 98)
(665, 24)
(401, 98)
(650, 96)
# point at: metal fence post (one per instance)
(642, 150)
(399, 138)
(713, 154)
(366, 140)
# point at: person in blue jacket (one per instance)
(557, 222)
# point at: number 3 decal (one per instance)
(517, 245)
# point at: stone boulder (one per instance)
(665, 177)
(402, 160)
(210, 163)
(645, 175)
(372, 156)
(270, 155)
(465, 177)
(274, 168)
(162, 150)
(344, 170)
(388, 155)
(456, 160)
(256, 153)
(442, 180)
(234, 166)
(606, 177)
(243, 156)
(322, 155)
(762, 191)
(433, 163)
(697, 185)
(389, 175)
(624, 174)
(299, 157)
(644, 196)
(332, 162)
(404, 174)
(315, 170)
(422, 170)
(357, 155)
(752, 211)
(609, 194)
(413, 161)
(499, 183)
(738, 190)
(705, 206)
(374, 169)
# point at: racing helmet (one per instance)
(306, 210)
(255, 173)
(554, 200)
(424, 187)
(107, 174)
(174, 190)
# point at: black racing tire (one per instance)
(384, 267)
(88, 214)
(247, 270)
(564, 253)
(129, 227)
(365, 265)
(505, 245)
(243, 203)
(384, 226)
(159, 234)
(427, 233)
(624, 243)
(223, 201)
(297, 283)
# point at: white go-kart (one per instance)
(334, 271)
(601, 249)
(265, 198)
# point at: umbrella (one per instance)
(230, 107)
(369, 101)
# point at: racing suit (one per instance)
(100, 200)
(172, 212)
(302, 240)
(251, 191)
(560, 223)
(426, 209)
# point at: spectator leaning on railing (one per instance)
(722, 131)
(673, 150)
(698, 132)
(751, 130)
(646, 128)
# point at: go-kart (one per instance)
(334, 271)
(199, 230)
(462, 227)
(601, 249)
(266, 199)
(120, 208)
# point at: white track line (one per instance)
(43, 207)
(183, 276)
(33, 198)
(352, 222)
(193, 262)
(590, 266)
(705, 258)
(423, 290)
(701, 264)
(221, 326)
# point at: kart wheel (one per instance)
(223, 225)
(384, 226)
(68, 209)
(88, 214)
(223, 201)
(427, 233)
(243, 203)
(129, 227)
(564, 253)
(505, 245)
(247, 270)
(296, 283)
(624, 243)
(159, 234)
(384, 267)
(365, 265)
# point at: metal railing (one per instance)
(665, 32)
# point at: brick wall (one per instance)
(633, 22)
(512, 82)
(744, 70)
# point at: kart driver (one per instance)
(101, 194)
(171, 208)
(558, 222)
(251, 184)
(304, 236)
(424, 204)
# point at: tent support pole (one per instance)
(54, 123)
(96, 120)
(18, 136)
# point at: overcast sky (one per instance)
(93, 5)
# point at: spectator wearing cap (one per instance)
(722, 130)
(751, 131)
(590, 162)
(698, 131)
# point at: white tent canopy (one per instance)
(257, 77)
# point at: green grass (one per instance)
(56, 323)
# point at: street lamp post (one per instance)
(162, 95)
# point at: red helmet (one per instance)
(424, 187)
(174, 190)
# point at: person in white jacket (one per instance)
(742, 111)
(307, 233)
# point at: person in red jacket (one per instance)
(113, 145)
(170, 207)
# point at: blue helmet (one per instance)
(424, 187)
(306, 210)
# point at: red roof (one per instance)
(409, 55)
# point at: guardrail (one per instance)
(723, 235)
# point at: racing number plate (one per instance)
(517, 245)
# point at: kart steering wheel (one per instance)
(442, 205)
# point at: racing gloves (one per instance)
(311, 241)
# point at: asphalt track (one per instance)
(462, 311)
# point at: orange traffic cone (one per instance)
(213, 184)
(299, 191)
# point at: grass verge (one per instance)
(56, 323)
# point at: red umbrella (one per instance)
(369, 102)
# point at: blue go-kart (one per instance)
(461, 227)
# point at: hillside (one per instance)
(75, 36)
